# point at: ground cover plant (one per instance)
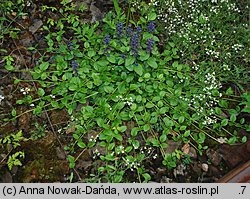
(145, 86)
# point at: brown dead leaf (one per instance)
(172, 146)
(186, 148)
(71, 129)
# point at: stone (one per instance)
(214, 156)
(204, 167)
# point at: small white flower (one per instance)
(222, 140)
(1, 98)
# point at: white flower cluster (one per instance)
(195, 66)
(153, 2)
(96, 153)
(204, 102)
(146, 150)
(155, 156)
(127, 101)
(222, 140)
(213, 53)
(225, 67)
(237, 47)
(132, 164)
(209, 120)
(1, 98)
(120, 150)
(93, 139)
(25, 90)
(191, 23)
(136, 4)
(73, 118)
(210, 79)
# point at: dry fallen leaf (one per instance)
(186, 148)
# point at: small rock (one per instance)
(179, 170)
(96, 13)
(35, 27)
(60, 153)
(204, 167)
(165, 179)
(214, 156)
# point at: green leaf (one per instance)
(134, 131)
(181, 119)
(44, 66)
(147, 76)
(108, 89)
(55, 104)
(146, 176)
(143, 55)
(71, 158)
(13, 112)
(136, 144)
(133, 106)
(247, 110)
(182, 128)
(9, 67)
(129, 61)
(168, 122)
(242, 120)
(111, 146)
(122, 128)
(128, 149)
(111, 59)
(86, 44)
(152, 16)
(81, 144)
(244, 139)
(163, 138)
(178, 92)
(37, 110)
(233, 118)
(100, 122)
(151, 62)
(117, 8)
(103, 144)
(163, 110)
(146, 127)
(224, 122)
(218, 110)
(118, 137)
(19, 102)
(202, 137)
(149, 105)
(40, 92)
(187, 133)
(138, 69)
(17, 81)
(91, 53)
(229, 91)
